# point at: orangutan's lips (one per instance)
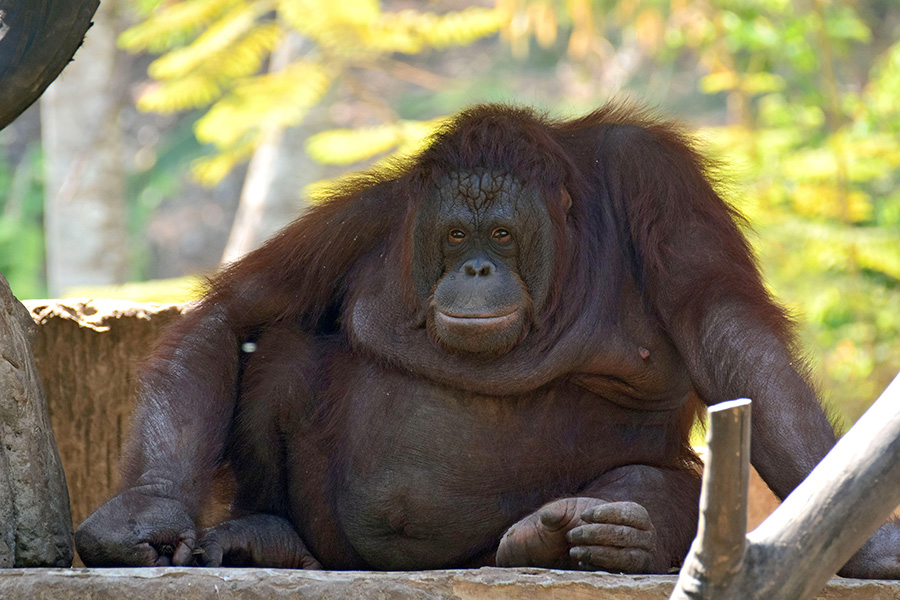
(478, 321)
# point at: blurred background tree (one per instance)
(798, 99)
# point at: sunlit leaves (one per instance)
(326, 21)
(394, 142)
(198, 73)
(542, 20)
(210, 170)
(822, 200)
(236, 47)
(217, 48)
(194, 91)
(754, 34)
(416, 31)
(843, 24)
(778, 113)
(235, 124)
(275, 99)
(347, 146)
(174, 24)
(880, 253)
(884, 87)
(359, 27)
(755, 83)
(845, 289)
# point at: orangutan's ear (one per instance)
(566, 200)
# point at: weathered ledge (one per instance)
(480, 584)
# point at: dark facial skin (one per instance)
(481, 304)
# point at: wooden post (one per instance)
(815, 530)
(718, 550)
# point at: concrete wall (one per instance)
(88, 353)
(257, 584)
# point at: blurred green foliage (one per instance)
(22, 225)
(820, 160)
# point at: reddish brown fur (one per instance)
(655, 307)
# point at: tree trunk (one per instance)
(85, 205)
(276, 176)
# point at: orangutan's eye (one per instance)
(501, 236)
(456, 236)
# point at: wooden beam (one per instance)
(816, 529)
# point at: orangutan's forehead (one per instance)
(479, 190)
